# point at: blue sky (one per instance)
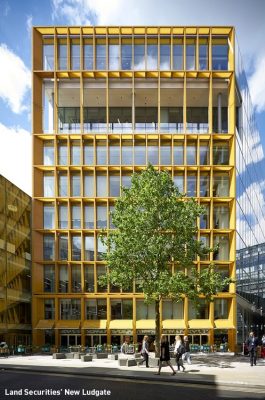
(17, 17)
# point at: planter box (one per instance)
(58, 356)
(113, 356)
(69, 355)
(131, 362)
(122, 362)
(153, 362)
(86, 357)
(100, 355)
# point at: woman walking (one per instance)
(164, 354)
(145, 352)
(178, 351)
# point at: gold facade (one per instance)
(15, 264)
(106, 100)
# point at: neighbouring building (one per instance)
(15, 264)
(106, 101)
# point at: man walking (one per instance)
(252, 343)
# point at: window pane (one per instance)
(204, 185)
(62, 56)
(101, 186)
(139, 154)
(49, 278)
(48, 57)
(126, 56)
(75, 56)
(101, 270)
(221, 186)
(89, 185)
(191, 154)
(62, 153)
(204, 154)
(220, 308)
(63, 185)
(127, 153)
(63, 247)
(76, 216)
(89, 248)
(100, 57)
(205, 218)
(165, 154)
(48, 185)
(178, 56)
(48, 153)
(101, 216)
(221, 217)
(70, 309)
(89, 216)
(221, 154)
(75, 185)
(63, 278)
(48, 216)
(199, 312)
(75, 153)
(165, 56)
(49, 309)
(114, 57)
(152, 153)
(203, 56)
(101, 154)
(89, 279)
(88, 153)
(88, 56)
(179, 182)
(63, 217)
(114, 154)
(76, 278)
(222, 254)
(116, 309)
(178, 153)
(191, 185)
(114, 185)
(139, 53)
(152, 56)
(101, 248)
(76, 248)
(190, 56)
(219, 55)
(48, 247)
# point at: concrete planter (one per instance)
(131, 362)
(86, 357)
(99, 356)
(153, 362)
(122, 362)
(58, 356)
(113, 356)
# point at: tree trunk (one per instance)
(157, 340)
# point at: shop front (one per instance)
(121, 331)
(69, 333)
(95, 332)
(173, 327)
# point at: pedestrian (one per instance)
(186, 356)
(252, 343)
(263, 346)
(164, 354)
(179, 351)
(145, 352)
(124, 347)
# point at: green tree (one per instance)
(155, 229)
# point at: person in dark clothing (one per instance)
(164, 354)
(252, 343)
(186, 356)
(145, 352)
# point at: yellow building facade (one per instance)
(106, 101)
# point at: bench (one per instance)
(86, 357)
(58, 356)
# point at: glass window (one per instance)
(172, 309)
(221, 185)
(49, 309)
(127, 153)
(96, 309)
(203, 54)
(75, 56)
(63, 216)
(114, 185)
(89, 248)
(101, 249)
(152, 152)
(222, 254)
(48, 216)
(100, 56)
(48, 184)
(126, 56)
(199, 312)
(220, 308)
(63, 192)
(190, 54)
(62, 153)
(165, 153)
(121, 309)
(191, 154)
(139, 55)
(63, 247)
(221, 217)
(178, 153)
(204, 185)
(204, 154)
(75, 152)
(89, 216)
(139, 153)
(63, 278)
(89, 185)
(152, 54)
(191, 185)
(178, 54)
(49, 278)
(179, 182)
(48, 57)
(70, 309)
(76, 278)
(89, 278)
(221, 153)
(114, 56)
(75, 185)
(62, 56)
(145, 311)
(76, 216)
(101, 186)
(101, 216)
(48, 247)
(88, 56)
(88, 153)
(101, 153)
(111, 210)
(205, 218)
(114, 154)
(205, 240)
(101, 270)
(164, 55)
(48, 153)
(219, 54)
(76, 248)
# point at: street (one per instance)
(24, 385)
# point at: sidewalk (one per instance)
(205, 369)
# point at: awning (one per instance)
(200, 324)
(121, 324)
(145, 324)
(45, 324)
(173, 324)
(223, 324)
(95, 324)
(71, 324)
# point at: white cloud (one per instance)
(15, 80)
(29, 24)
(15, 156)
(257, 85)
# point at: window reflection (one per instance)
(190, 54)
(114, 56)
(152, 54)
(101, 56)
(126, 54)
(139, 54)
(165, 54)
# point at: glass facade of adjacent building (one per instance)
(15, 265)
(106, 101)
